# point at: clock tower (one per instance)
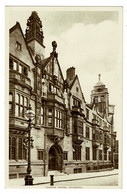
(34, 35)
(100, 97)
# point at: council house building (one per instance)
(68, 135)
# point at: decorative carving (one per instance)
(38, 58)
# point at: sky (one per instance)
(89, 39)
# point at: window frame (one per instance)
(76, 152)
(20, 106)
(87, 153)
(87, 132)
(40, 154)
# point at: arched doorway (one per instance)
(55, 158)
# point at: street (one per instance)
(111, 180)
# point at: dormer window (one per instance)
(18, 46)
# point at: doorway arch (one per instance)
(55, 158)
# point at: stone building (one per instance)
(68, 135)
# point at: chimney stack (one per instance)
(70, 74)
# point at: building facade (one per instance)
(67, 134)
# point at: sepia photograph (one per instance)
(64, 79)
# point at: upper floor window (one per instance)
(101, 136)
(42, 115)
(50, 117)
(10, 96)
(17, 66)
(87, 132)
(10, 63)
(77, 89)
(78, 127)
(76, 102)
(96, 99)
(21, 105)
(87, 113)
(10, 102)
(102, 99)
(59, 119)
(20, 68)
(25, 71)
(18, 46)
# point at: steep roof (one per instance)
(72, 84)
(17, 25)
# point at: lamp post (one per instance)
(30, 115)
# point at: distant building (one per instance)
(68, 134)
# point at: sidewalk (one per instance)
(46, 180)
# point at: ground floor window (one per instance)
(76, 152)
(87, 153)
(40, 154)
(65, 155)
(94, 154)
(109, 155)
(105, 155)
(100, 154)
(17, 148)
(12, 148)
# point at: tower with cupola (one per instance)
(100, 97)
(34, 35)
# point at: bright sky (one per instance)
(90, 40)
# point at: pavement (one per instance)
(16, 183)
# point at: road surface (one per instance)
(111, 180)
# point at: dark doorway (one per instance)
(55, 158)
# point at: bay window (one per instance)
(21, 105)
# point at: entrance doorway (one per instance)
(55, 158)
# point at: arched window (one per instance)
(96, 99)
(102, 99)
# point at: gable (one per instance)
(76, 90)
(52, 69)
(16, 36)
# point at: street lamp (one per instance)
(30, 115)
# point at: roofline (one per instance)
(13, 28)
